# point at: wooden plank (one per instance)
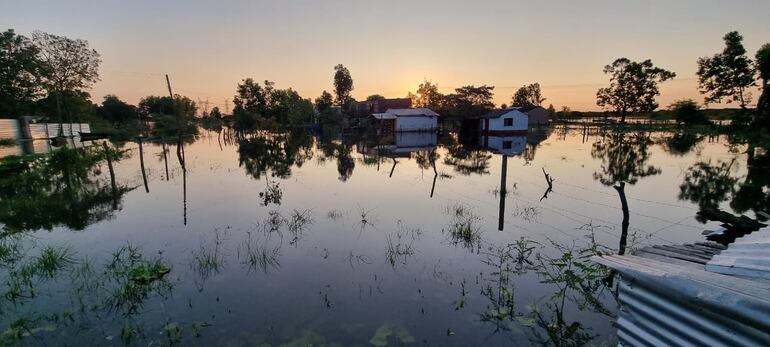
(665, 259)
(712, 245)
(674, 255)
(685, 251)
(707, 250)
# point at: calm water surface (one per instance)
(279, 239)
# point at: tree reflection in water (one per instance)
(64, 188)
(624, 161)
(709, 184)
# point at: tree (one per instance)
(66, 64)
(343, 84)
(116, 111)
(727, 75)
(215, 113)
(687, 111)
(469, 101)
(375, 97)
(763, 66)
(633, 87)
(528, 95)
(19, 75)
(427, 95)
(551, 112)
(250, 103)
(324, 102)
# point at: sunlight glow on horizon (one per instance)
(208, 49)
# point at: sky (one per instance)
(390, 47)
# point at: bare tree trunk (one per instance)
(621, 189)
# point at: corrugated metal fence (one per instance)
(10, 129)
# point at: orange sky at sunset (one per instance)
(390, 48)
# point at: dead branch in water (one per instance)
(549, 180)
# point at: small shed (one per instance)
(509, 121)
(537, 115)
(408, 119)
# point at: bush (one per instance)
(687, 111)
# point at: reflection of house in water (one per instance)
(510, 145)
(401, 145)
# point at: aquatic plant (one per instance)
(135, 278)
(297, 223)
(256, 253)
(463, 229)
(209, 259)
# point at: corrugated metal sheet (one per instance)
(665, 304)
(48, 130)
(748, 256)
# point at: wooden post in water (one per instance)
(503, 174)
(112, 175)
(165, 157)
(141, 163)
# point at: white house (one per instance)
(504, 122)
(408, 119)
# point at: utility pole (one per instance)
(168, 83)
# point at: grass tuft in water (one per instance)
(463, 230)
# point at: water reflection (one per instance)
(625, 158)
(383, 259)
(33, 189)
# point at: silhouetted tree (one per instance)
(116, 111)
(687, 111)
(250, 103)
(528, 95)
(427, 95)
(19, 75)
(215, 113)
(727, 75)
(67, 64)
(551, 112)
(763, 66)
(469, 101)
(343, 84)
(633, 87)
(375, 97)
(324, 102)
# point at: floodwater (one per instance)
(288, 239)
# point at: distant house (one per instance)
(367, 108)
(509, 121)
(537, 114)
(407, 119)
